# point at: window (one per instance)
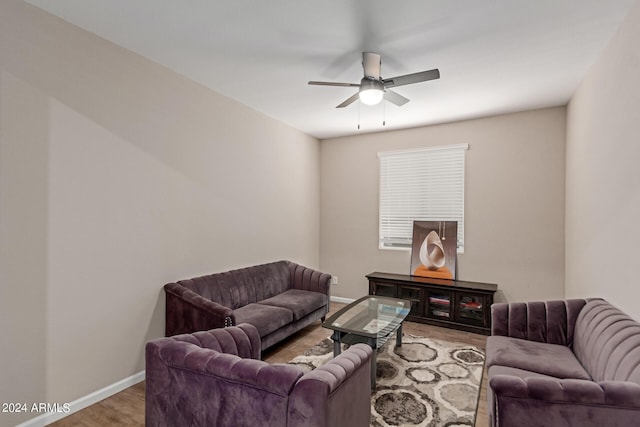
(423, 185)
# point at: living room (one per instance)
(118, 175)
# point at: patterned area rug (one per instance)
(423, 383)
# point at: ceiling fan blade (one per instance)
(408, 79)
(349, 101)
(395, 98)
(334, 84)
(371, 65)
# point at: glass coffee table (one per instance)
(372, 320)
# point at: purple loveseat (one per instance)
(563, 363)
(278, 298)
(214, 378)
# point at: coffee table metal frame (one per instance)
(372, 320)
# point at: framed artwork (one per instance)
(434, 249)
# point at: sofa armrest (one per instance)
(551, 322)
(308, 279)
(187, 312)
(547, 401)
(336, 393)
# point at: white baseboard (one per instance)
(83, 402)
(343, 300)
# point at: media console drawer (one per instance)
(453, 304)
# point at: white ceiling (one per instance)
(494, 56)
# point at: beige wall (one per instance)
(117, 176)
(23, 245)
(514, 203)
(603, 175)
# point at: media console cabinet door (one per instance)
(439, 304)
(471, 308)
(383, 289)
(414, 295)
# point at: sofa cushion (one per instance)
(265, 318)
(547, 359)
(297, 301)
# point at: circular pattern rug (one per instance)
(425, 382)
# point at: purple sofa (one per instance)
(278, 298)
(563, 363)
(215, 378)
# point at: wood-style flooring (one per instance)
(127, 407)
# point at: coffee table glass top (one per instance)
(371, 315)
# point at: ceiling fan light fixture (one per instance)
(371, 96)
(371, 91)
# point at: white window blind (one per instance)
(420, 185)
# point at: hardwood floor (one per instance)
(127, 407)
(122, 409)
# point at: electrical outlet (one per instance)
(334, 280)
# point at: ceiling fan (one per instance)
(373, 88)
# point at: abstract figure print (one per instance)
(434, 249)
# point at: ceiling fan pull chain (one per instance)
(358, 116)
(384, 114)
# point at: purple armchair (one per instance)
(214, 378)
(563, 363)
